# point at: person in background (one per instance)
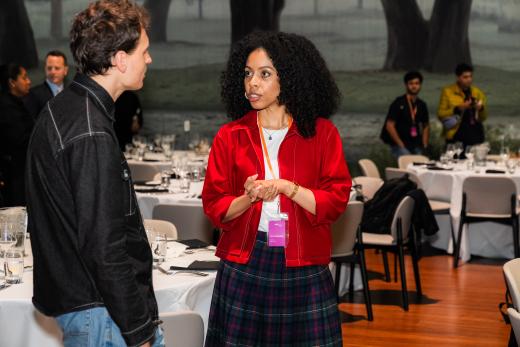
(462, 109)
(16, 125)
(56, 69)
(129, 118)
(92, 260)
(407, 126)
(276, 180)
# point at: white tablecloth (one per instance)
(22, 326)
(485, 239)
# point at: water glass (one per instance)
(511, 166)
(140, 153)
(166, 178)
(13, 266)
(158, 246)
(184, 185)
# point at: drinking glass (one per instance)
(511, 166)
(450, 151)
(7, 238)
(13, 266)
(504, 154)
(459, 149)
(158, 245)
(166, 178)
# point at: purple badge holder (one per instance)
(278, 234)
(413, 131)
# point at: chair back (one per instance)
(163, 227)
(403, 212)
(344, 230)
(512, 275)
(393, 172)
(489, 196)
(408, 159)
(190, 220)
(143, 171)
(514, 318)
(182, 329)
(369, 185)
(369, 168)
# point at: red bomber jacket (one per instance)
(316, 163)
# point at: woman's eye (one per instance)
(248, 73)
(266, 74)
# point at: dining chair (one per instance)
(142, 171)
(182, 329)
(190, 221)
(514, 318)
(162, 226)
(369, 185)
(400, 237)
(511, 271)
(408, 159)
(369, 168)
(488, 198)
(345, 250)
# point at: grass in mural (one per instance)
(197, 88)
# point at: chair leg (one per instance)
(514, 227)
(364, 279)
(351, 281)
(415, 262)
(457, 244)
(338, 274)
(395, 267)
(403, 277)
(385, 264)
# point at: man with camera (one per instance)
(462, 109)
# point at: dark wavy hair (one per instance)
(8, 72)
(463, 67)
(101, 30)
(307, 88)
(411, 75)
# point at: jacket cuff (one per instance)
(140, 335)
(219, 212)
(319, 197)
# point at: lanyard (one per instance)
(264, 146)
(413, 110)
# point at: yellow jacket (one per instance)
(453, 96)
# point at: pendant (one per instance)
(270, 137)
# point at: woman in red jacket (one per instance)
(276, 180)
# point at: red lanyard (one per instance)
(264, 146)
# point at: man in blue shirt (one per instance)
(56, 70)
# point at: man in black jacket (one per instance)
(56, 70)
(92, 261)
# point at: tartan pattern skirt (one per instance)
(264, 303)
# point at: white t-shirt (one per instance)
(270, 209)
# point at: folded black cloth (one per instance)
(193, 243)
(491, 171)
(439, 168)
(151, 190)
(199, 265)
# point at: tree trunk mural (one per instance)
(250, 15)
(437, 45)
(56, 19)
(158, 10)
(16, 35)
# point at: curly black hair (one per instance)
(307, 88)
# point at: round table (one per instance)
(22, 325)
(487, 239)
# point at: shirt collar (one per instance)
(55, 88)
(98, 93)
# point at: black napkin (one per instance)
(193, 243)
(198, 265)
(151, 190)
(439, 168)
(491, 171)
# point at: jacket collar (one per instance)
(98, 94)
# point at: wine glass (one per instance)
(450, 151)
(459, 148)
(504, 154)
(7, 238)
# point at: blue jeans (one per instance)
(399, 151)
(94, 328)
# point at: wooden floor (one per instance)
(459, 307)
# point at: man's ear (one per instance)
(119, 61)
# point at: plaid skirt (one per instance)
(264, 303)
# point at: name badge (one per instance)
(413, 131)
(278, 231)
